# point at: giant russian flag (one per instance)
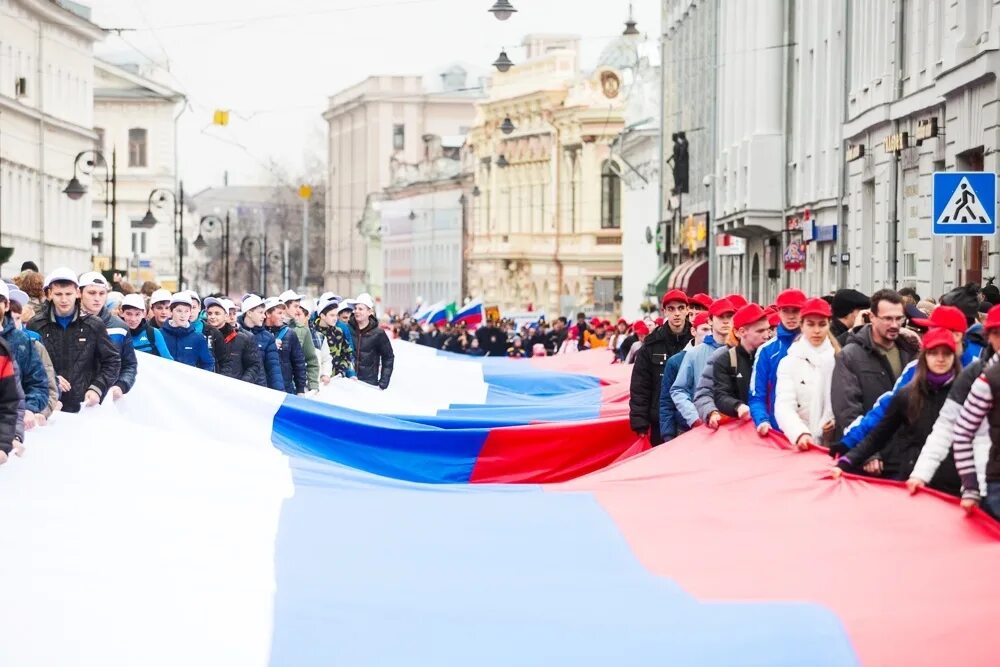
(202, 521)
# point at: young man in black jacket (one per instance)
(373, 355)
(731, 367)
(237, 356)
(293, 359)
(647, 374)
(85, 360)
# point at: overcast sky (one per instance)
(275, 64)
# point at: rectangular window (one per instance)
(605, 293)
(137, 147)
(398, 137)
(99, 141)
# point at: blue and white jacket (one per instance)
(682, 390)
(765, 375)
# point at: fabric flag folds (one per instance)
(472, 314)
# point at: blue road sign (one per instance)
(965, 203)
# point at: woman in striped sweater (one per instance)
(982, 404)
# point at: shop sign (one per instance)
(855, 152)
(795, 256)
(895, 143)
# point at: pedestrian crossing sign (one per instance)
(965, 203)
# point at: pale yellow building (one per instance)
(545, 232)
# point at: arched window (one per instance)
(611, 196)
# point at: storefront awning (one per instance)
(657, 288)
(690, 276)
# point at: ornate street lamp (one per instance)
(503, 63)
(502, 9)
(507, 126)
(149, 220)
(209, 224)
(75, 190)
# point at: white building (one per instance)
(381, 118)
(922, 97)
(46, 120)
(135, 121)
(423, 217)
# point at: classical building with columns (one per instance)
(545, 232)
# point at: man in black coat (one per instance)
(557, 335)
(492, 339)
(847, 303)
(238, 356)
(871, 359)
(85, 360)
(647, 374)
(293, 359)
(373, 355)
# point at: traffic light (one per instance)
(679, 163)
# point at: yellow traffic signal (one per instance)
(305, 191)
(220, 117)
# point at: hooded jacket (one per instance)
(862, 374)
(272, 377)
(188, 346)
(646, 385)
(34, 380)
(119, 334)
(731, 385)
(336, 346)
(293, 361)
(683, 388)
(82, 353)
(373, 355)
(765, 375)
(243, 358)
(308, 352)
(802, 403)
(147, 338)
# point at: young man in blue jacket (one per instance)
(682, 390)
(185, 344)
(253, 322)
(670, 425)
(293, 360)
(770, 354)
(145, 337)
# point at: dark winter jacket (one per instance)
(34, 380)
(554, 340)
(647, 375)
(293, 360)
(670, 425)
(731, 381)
(626, 345)
(272, 377)
(373, 356)
(242, 356)
(862, 374)
(899, 439)
(147, 338)
(11, 399)
(82, 353)
(216, 345)
(119, 335)
(188, 346)
(492, 340)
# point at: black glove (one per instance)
(837, 450)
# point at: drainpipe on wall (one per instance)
(40, 85)
(713, 257)
(897, 87)
(787, 120)
(842, 176)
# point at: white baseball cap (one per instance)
(92, 279)
(345, 305)
(290, 295)
(227, 304)
(212, 301)
(61, 275)
(159, 296)
(192, 295)
(325, 305)
(18, 296)
(272, 302)
(252, 301)
(134, 301)
(365, 299)
(181, 298)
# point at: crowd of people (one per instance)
(893, 386)
(70, 341)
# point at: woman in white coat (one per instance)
(802, 392)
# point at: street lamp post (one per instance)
(211, 223)
(75, 190)
(160, 195)
(253, 245)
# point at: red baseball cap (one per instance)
(747, 315)
(773, 318)
(738, 300)
(792, 298)
(815, 307)
(622, 320)
(640, 328)
(992, 318)
(659, 321)
(595, 321)
(700, 319)
(721, 307)
(702, 299)
(939, 337)
(674, 295)
(945, 317)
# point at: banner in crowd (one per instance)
(204, 521)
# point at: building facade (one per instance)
(46, 120)
(423, 218)
(135, 122)
(381, 118)
(922, 97)
(546, 229)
